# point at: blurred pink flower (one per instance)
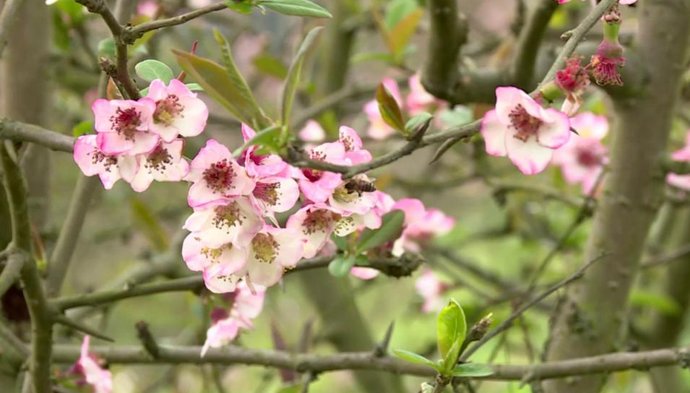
(524, 131)
(583, 157)
(421, 225)
(419, 100)
(312, 132)
(431, 289)
(683, 155)
(216, 175)
(246, 304)
(93, 374)
(178, 110)
(364, 273)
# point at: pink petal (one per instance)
(530, 157)
(494, 134)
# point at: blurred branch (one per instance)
(12, 341)
(368, 361)
(12, 270)
(132, 33)
(41, 321)
(529, 42)
(545, 191)
(69, 233)
(22, 132)
(395, 267)
(7, 17)
(507, 323)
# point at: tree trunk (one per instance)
(592, 319)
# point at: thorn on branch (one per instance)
(147, 340)
(381, 348)
(78, 326)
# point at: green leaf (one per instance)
(150, 70)
(399, 36)
(340, 242)
(450, 359)
(268, 138)
(340, 266)
(417, 121)
(295, 388)
(390, 229)
(470, 370)
(451, 327)
(225, 86)
(296, 8)
(240, 6)
(457, 116)
(270, 65)
(389, 109)
(659, 302)
(194, 87)
(293, 75)
(414, 358)
(396, 10)
(83, 128)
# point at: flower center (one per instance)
(588, 158)
(348, 142)
(525, 125)
(319, 221)
(314, 174)
(108, 161)
(158, 159)
(219, 176)
(214, 254)
(267, 192)
(219, 314)
(265, 247)
(167, 110)
(228, 216)
(345, 195)
(125, 122)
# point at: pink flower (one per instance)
(275, 195)
(524, 131)
(110, 168)
(317, 185)
(270, 252)
(364, 273)
(421, 225)
(431, 289)
(419, 100)
(216, 175)
(260, 165)
(573, 79)
(683, 155)
(312, 132)
(378, 129)
(225, 221)
(354, 152)
(200, 257)
(163, 163)
(148, 8)
(123, 125)
(354, 196)
(605, 63)
(87, 366)
(314, 223)
(246, 304)
(178, 110)
(582, 159)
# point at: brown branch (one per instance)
(368, 361)
(132, 33)
(24, 132)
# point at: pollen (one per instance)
(265, 247)
(228, 216)
(219, 176)
(125, 122)
(525, 125)
(167, 110)
(319, 221)
(159, 159)
(268, 192)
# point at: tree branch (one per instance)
(7, 17)
(522, 70)
(23, 132)
(368, 361)
(132, 33)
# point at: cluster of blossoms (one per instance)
(431, 289)
(138, 141)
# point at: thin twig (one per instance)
(131, 33)
(63, 320)
(12, 271)
(526, 306)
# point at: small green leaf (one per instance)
(400, 35)
(414, 358)
(417, 121)
(451, 327)
(340, 266)
(150, 70)
(390, 229)
(83, 128)
(659, 302)
(398, 9)
(268, 138)
(293, 75)
(296, 8)
(450, 359)
(240, 6)
(340, 242)
(389, 109)
(470, 370)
